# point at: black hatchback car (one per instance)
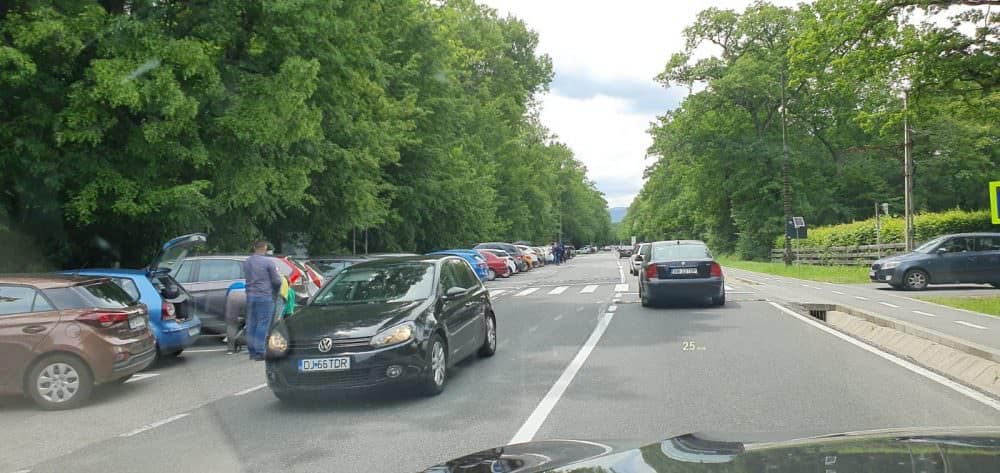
(957, 258)
(394, 321)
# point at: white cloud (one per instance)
(608, 44)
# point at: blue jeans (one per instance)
(260, 313)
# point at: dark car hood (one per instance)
(349, 320)
(888, 451)
(912, 256)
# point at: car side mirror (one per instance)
(941, 251)
(454, 292)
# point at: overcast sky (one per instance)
(605, 56)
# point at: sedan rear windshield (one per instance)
(679, 252)
(391, 283)
(101, 295)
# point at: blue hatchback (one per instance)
(170, 318)
(474, 258)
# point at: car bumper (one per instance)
(368, 370)
(883, 275)
(179, 334)
(684, 288)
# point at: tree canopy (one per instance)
(842, 65)
(123, 123)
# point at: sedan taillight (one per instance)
(716, 271)
(167, 312)
(651, 271)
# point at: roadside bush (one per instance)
(862, 232)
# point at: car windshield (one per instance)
(708, 216)
(929, 246)
(402, 282)
(679, 252)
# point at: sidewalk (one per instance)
(976, 327)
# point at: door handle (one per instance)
(33, 329)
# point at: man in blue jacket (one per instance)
(262, 285)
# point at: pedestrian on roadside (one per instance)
(562, 252)
(263, 284)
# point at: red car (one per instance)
(497, 265)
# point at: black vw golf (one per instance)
(400, 320)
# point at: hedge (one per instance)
(927, 226)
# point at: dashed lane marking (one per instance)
(621, 287)
(924, 313)
(526, 292)
(894, 306)
(559, 290)
(155, 425)
(589, 289)
(969, 324)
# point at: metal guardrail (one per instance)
(861, 255)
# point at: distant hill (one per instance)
(617, 213)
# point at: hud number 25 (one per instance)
(689, 345)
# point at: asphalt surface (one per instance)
(881, 299)
(577, 357)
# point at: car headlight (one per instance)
(277, 343)
(394, 335)
(890, 265)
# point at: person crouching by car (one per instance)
(263, 284)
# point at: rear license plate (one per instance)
(342, 363)
(136, 323)
(194, 331)
(684, 271)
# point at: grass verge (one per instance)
(834, 274)
(985, 304)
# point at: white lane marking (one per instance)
(589, 289)
(805, 285)
(739, 292)
(250, 390)
(837, 292)
(621, 287)
(532, 329)
(22, 471)
(558, 317)
(612, 308)
(141, 376)
(559, 290)
(924, 313)
(728, 287)
(968, 324)
(816, 287)
(862, 298)
(497, 292)
(155, 425)
(968, 392)
(526, 292)
(894, 306)
(544, 408)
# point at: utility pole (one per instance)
(878, 231)
(786, 190)
(907, 172)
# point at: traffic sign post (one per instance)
(995, 202)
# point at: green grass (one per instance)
(985, 304)
(834, 274)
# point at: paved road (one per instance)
(626, 374)
(881, 299)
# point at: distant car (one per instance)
(533, 258)
(511, 263)
(62, 335)
(390, 322)
(515, 252)
(388, 255)
(171, 317)
(680, 269)
(636, 260)
(475, 260)
(624, 252)
(329, 266)
(957, 258)
(498, 266)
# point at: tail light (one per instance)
(167, 312)
(103, 319)
(651, 271)
(716, 271)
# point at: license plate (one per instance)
(684, 271)
(887, 277)
(325, 364)
(136, 322)
(871, 274)
(194, 331)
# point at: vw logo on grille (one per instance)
(325, 344)
(684, 263)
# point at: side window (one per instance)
(219, 270)
(988, 243)
(41, 303)
(448, 277)
(183, 274)
(959, 245)
(466, 276)
(16, 299)
(129, 286)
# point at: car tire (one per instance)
(489, 347)
(719, 300)
(644, 298)
(437, 366)
(915, 280)
(76, 382)
(491, 275)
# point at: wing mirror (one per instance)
(941, 251)
(454, 292)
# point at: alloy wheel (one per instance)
(438, 363)
(58, 382)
